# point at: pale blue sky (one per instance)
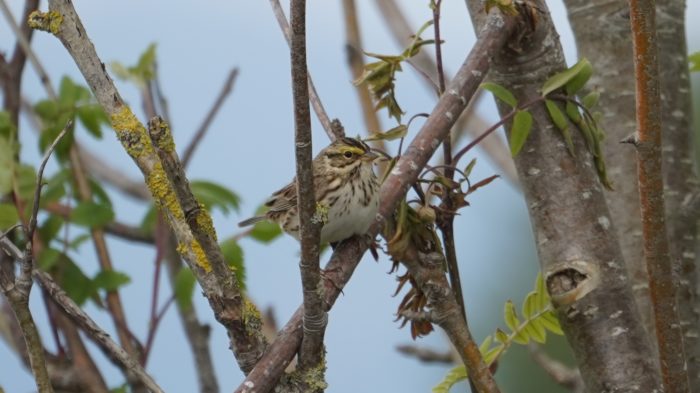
(249, 149)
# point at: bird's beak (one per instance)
(370, 156)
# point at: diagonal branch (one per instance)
(216, 279)
(347, 255)
(320, 111)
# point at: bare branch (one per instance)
(199, 135)
(315, 317)
(565, 376)
(40, 179)
(93, 331)
(214, 276)
(313, 95)
(656, 249)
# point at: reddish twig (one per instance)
(656, 249)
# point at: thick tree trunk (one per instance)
(576, 241)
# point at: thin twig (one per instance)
(565, 376)
(199, 135)
(656, 249)
(315, 317)
(40, 179)
(93, 331)
(320, 111)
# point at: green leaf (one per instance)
(148, 223)
(99, 194)
(26, 182)
(501, 336)
(70, 93)
(522, 124)
(541, 289)
(110, 280)
(530, 305)
(7, 164)
(55, 187)
(536, 331)
(486, 344)
(510, 316)
(573, 113)
(78, 240)
(184, 288)
(233, 254)
(50, 228)
(92, 116)
(47, 110)
(146, 63)
(492, 354)
(213, 195)
(76, 284)
(8, 216)
(48, 258)
(470, 166)
(501, 93)
(7, 128)
(394, 133)
(265, 231)
(573, 78)
(454, 376)
(551, 323)
(91, 214)
(590, 100)
(559, 120)
(694, 62)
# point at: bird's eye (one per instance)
(348, 154)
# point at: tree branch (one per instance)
(315, 319)
(313, 95)
(347, 255)
(202, 130)
(579, 254)
(656, 250)
(214, 276)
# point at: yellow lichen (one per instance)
(165, 139)
(200, 257)
(164, 196)
(251, 315)
(46, 21)
(205, 222)
(321, 214)
(131, 132)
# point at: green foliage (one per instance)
(694, 59)
(213, 195)
(92, 214)
(265, 231)
(8, 149)
(7, 128)
(538, 318)
(50, 228)
(522, 124)
(74, 101)
(110, 280)
(184, 288)
(380, 75)
(389, 135)
(25, 178)
(572, 79)
(140, 73)
(501, 93)
(8, 216)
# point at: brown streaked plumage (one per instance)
(346, 188)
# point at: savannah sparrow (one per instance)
(346, 189)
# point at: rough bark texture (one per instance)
(602, 33)
(601, 29)
(680, 180)
(578, 250)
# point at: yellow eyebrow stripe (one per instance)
(352, 149)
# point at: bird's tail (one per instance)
(251, 221)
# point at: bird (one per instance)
(346, 192)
